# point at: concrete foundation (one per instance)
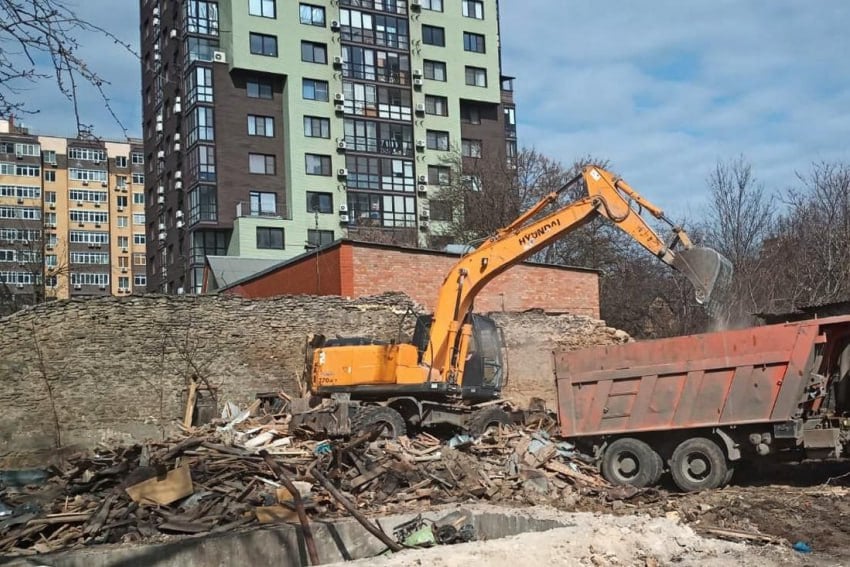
(282, 545)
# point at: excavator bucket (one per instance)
(709, 272)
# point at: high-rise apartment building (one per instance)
(271, 126)
(72, 217)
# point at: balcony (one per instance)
(386, 6)
(386, 146)
(248, 209)
(375, 73)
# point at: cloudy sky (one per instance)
(663, 89)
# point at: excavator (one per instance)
(453, 370)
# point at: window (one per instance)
(434, 5)
(140, 280)
(263, 204)
(27, 213)
(86, 154)
(269, 238)
(49, 196)
(31, 150)
(470, 114)
(262, 8)
(138, 238)
(314, 52)
(29, 171)
(257, 88)
(319, 202)
(50, 176)
(312, 15)
(435, 70)
(139, 218)
(50, 219)
(138, 198)
(471, 182)
(439, 175)
(123, 222)
(88, 237)
(319, 237)
(315, 127)
(139, 178)
(88, 216)
(438, 105)
(201, 163)
(476, 76)
(137, 158)
(473, 9)
(49, 156)
(121, 181)
(433, 35)
(203, 204)
(312, 89)
(202, 17)
(123, 282)
(262, 44)
(201, 125)
(89, 258)
(260, 126)
(317, 164)
(261, 164)
(139, 259)
(437, 140)
(121, 161)
(123, 242)
(473, 42)
(121, 201)
(87, 278)
(199, 85)
(87, 175)
(441, 210)
(470, 148)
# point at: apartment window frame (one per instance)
(263, 203)
(270, 238)
(262, 164)
(441, 210)
(261, 126)
(474, 42)
(50, 176)
(261, 8)
(435, 70)
(309, 50)
(472, 9)
(307, 15)
(433, 35)
(436, 105)
(432, 5)
(475, 76)
(470, 148)
(317, 127)
(259, 88)
(137, 158)
(437, 140)
(324, 163)
(320, 202)
(263, 44)
(121, 161)
(440, 175)
(317, 238)
(314, 87)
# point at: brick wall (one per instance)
(420, 274)
(119, 366)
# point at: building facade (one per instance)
(272, 126)
(72, 217)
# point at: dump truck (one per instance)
(452, 372)
(702, 405)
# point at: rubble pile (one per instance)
(247, 470)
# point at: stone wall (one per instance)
(80, 372)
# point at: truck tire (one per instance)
(390, 421)
(482, 420)
(698, 464)
(631, 461)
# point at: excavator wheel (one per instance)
(388, 420)
(482, 420)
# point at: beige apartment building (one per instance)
(72, 217)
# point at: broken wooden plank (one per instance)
(177, 484)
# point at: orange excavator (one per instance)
(453, 371)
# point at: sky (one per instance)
(661, 89)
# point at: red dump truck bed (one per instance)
(754, 375)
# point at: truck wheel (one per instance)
(482, 420)
(387, 419)
(698, 464)
(631, 461)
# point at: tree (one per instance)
(39, 40)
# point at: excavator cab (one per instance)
(484, 370)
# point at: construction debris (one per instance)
(250, 470)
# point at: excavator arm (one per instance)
(607, 196)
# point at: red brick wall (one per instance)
(300, 278)
(523, 287)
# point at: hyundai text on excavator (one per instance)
(453, 371)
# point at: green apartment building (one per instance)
(275, 126)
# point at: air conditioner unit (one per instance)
(97, 205)
(160, 200)
(162, 236)
(97, 162)
(156, 56)
(424, 215)
(423, 189)
(20, 286)
(339, 97)
(160, 190)
(160, 154)
(85, 183)
(423, 179)
(123, 250)
(102, 288)
(48, 247)
(159, 126)
(420, 144)
(343, 219)
(178, 108)
(120, 209)
(156, 21)
(177, 146)
(79, 203)
(334, 25)
(52, 206)
(416, 3)
(219, 57)
(177, 139)
(123, 270)
(343, 208)
(20, 200)
(417, 73)
(342, 172)
(78, 286)
(156, 10)
(179, 224)
(341, 145)
(178, 214)
(162, 226)
(420, 107)
(103, 184)
(337, 61)
(178, 185)
(424, 225)
(417, 82)
(123, 189)
(172, 34)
